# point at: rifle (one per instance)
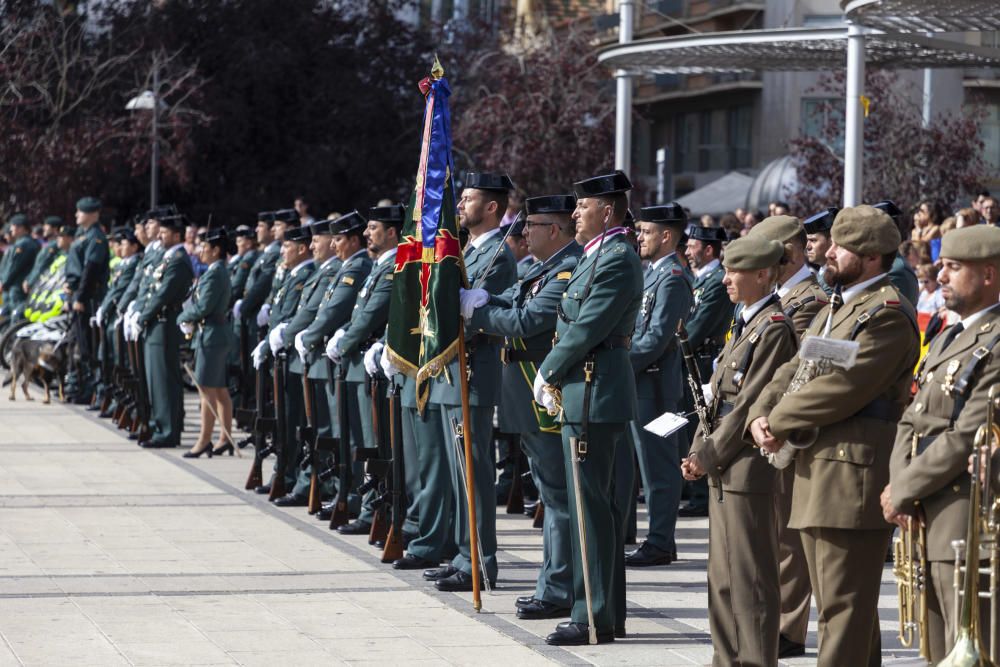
(261, 426)
(694, 381)
(307, 434)
(280, 425)
(141, 423)
(515, 497)
(397, 487)
(244, 375)
(343, 460)
(378, 467)
(106, 368)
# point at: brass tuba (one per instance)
(909, 557)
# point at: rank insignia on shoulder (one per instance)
(778, 317)
(388, 276)
(986, 327)
(892, 302)
(245, 265)
(676, 272)
(347, 280)
(564, 275)
(300, 286)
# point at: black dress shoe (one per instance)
(459, 582)
(93, 407)
(789, 649)
(690, 510)
(530, 507)
(537, 609)
(291, 500)
(577, 634)
(648, 555)
(411, 562)
(263, 490)
(356, 527)
(435, 573)
(157, 444)
(325, 513)
(524, 600)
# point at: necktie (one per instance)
(952, 334)
(738, 325)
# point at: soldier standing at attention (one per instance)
(744, 601)
(842, 419)
(261, 277)
(801, 299)
(589, 366)
(818, 243)
(17, 263)
(243, 260)
(169, 286)
(927, 473)
(902, 275)
(710, 317)
(656, 361)
(526, 316)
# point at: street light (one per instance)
(147, 101)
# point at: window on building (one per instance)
(713, 140)
(989, 130)
(740, 137)
(820, 116)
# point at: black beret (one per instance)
(393, 215)
(667, 214)
(607, 184)
(889, 208)
(19, 219)
(821, 222)
(486, 181)
(53, 220)
(88, 205)
(550, 204)
(299, 234)
(515, 228)
(348, 223)
(706, 234)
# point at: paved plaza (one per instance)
(111, 555)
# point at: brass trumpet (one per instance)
(909, 557)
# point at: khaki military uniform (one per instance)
(743, 593)
(838, 479)
(943, 419)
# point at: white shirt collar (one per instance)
(482, 238)
(657, 263)
(854, 290)
(234, 259)
(970, 321)
(387, 255)
(327, 262)
(751, 311)
(154, 245)
(595, 243)
(796, 278)
(172, 249)
(299, 267)
(698, 273)
(360, 252)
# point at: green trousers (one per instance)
(548, 470)
(163, 377)
(435, 527)
(660, 465)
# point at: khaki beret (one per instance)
(865, 230)
(971, 243)
(749, 253)
(779, 228)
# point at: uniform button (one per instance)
(842, 453)
(956, 488)
(564, 295)
(930, 377)
(918, 407)
(732, 364)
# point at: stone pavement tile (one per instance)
(469, 634)
(386, 601)
(133, 631)
(513, 654)
(10, 586)
(175, 653)
(434, 662)
(95, 651)
(7, 657)
(316, 658)
(388, 650)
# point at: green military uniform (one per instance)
(904, 279)
(107, 313)
(525, 315)
(212, 338)
(43, 260)
(855, 411)
(14, 269)
(239, 271)
(743, 593)
(658, 367)
(170, 282)
(88, 281)
(258, 286)
(927, 471)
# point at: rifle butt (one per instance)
(515, 498)
(277, 486)
(256, 477)
(314, 498)
(340, 515)
(393, 549)
(539, 516)
(380, 527)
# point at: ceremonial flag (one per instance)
(424, 315)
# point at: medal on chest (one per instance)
(948, 386)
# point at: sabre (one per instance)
(482, 277)
(577, 455)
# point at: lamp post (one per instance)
(148, 101)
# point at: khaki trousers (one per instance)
(793, 572)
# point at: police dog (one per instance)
(41, 361)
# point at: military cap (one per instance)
(299, 234)
(749, 253)
(608, 184)
(667, 214)
(124, 234)
(348, 223)
(515, 228)
(286, 215)
(889, 207)
(779, 228)
(217, 234)
(977, 242)
(484, 181)
(820, 223)
(244, 231)
(706, 234)
(865, 230)
(393, 215)
(19, 220)
(67, 230)
(550, 204)
(320, 227)
(88, 205)
(161, 212)
(175, 222)
(53, 221)
(266, 216)
(629, 220)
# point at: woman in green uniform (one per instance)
(203, 320)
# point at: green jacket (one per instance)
(171, 282)
(711, 315)
(309, 302)
(335, 309)
(142, 278)
(588, 321)
(526, 315)
(43, 260)
(208, 308)
(239, 271)
(484, 356)
(90, 255)
(19, 260)
(121, 279)
(258, 283)
(369, 316)
(904, 279)
(286, 299)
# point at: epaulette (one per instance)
(564, 275)
(675, 271)
(777, 317)
(892, 302)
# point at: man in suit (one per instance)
(526, 316)
(744, 602)
(817, 228)
(801, 299)
(841, 418)
(588, 378)
(656, 361)
(927, 471)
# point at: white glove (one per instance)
(470, 299)
(186, 328)
(93, 321)
(236, 309)
(388, 367)
(100, 311)
(131, 308)
(127, 328)
(136, 326)
(275, 338)
(300, 347)
(259, 354)
(263, 314)
(333, 346)
(542, 397)
(118, 320)
(372, 358)
(782, 459)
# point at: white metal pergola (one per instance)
(889, 33)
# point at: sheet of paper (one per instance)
(666, 424)
(842, 353)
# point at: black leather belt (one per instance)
(483, 339)
(609, 343)
(534, 356)
(882, 409)
(725, 407)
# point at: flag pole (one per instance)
(470, 479)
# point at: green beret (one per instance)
(53, 220)
(779, 228)
(865, 230)
(971, 243)
(749, 253)
(89, 205)
(19, 219)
